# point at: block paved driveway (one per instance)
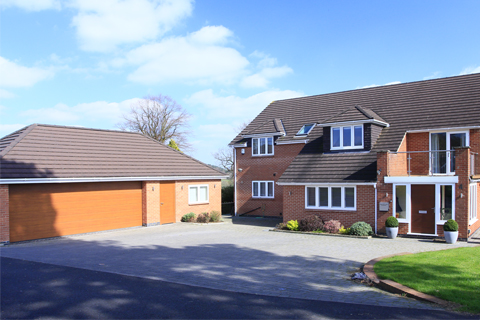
(233, 256)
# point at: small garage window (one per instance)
(198, 194)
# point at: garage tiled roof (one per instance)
(423, 105)
(46, 151)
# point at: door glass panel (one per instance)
(336, 137)
(401, 202)
(456, 140)
(336, 197)
(347, 136)
(439, 159)
(446, 202)
(310, 197)
(323, 194)
(349, 197)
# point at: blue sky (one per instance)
(84, 62)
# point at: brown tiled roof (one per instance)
(431, 104)
(355, 113)
(269, 126)
(45, 151)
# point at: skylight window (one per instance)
(306, 129)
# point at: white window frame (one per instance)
(266, 189)
(437, 202)
(352, 133)
(266, 147)
(408, 202)
(304, 134)
(330, 207)
(197, 186)
(448, 164)
(473, 205)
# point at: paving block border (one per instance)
(398, 288)
(323, 234)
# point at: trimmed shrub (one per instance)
(215, 216)
(332, 226)
(344, 231)
(391, 222)
(189, 217)
(450, 225)
(311, 223)
(292, 225)
(282, 226)
(203, 217)
(361, 229)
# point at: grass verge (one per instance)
(452, 275)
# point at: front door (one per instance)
(167, 202)
(423, 209)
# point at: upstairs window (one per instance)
(305, 129)
(347, 137)
(262, 146)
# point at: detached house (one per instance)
(408, 150)
(57, 180)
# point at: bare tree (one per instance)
(224, 156)
(159, 117)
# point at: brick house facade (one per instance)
(364, 160)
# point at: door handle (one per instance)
(161, 203)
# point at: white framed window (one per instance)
(305, 129)
(262, 146)
(401, 202)
(442, 158)
(445, 202)
(346, 137)
(473, 203)
(331, 197)
(198, 194)
(263, 189)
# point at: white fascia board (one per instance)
(291, 142)
(327, 184)
(239, 145)
(443, 129)
(421, 179)
(262, 135)
(106, 179)
(351, 123)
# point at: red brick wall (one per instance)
(294, 207)
(264, 168)
(214, 193)
(150, 202)
(384, 192)
(4, 214)
(397, 162)
(419, 164)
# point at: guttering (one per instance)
(421, 179)
(106, 179)
(262, 135)
(333, 124)
(327, 183)
(291, 142)
(376, 205)
(239, 145)
(443, 129)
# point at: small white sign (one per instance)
(422, 211)
(383, 206)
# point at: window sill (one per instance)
(262, 155)
(198, 203)
(332, 209)
(471, 222)
(263, 198)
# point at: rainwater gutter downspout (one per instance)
(235, 179)
(376, 191)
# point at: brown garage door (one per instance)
(50, 210)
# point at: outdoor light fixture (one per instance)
(243, 151)
(379, 171)
(153, 188)
(240, 169)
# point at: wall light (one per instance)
(240, 169)
(153, 188)
(243, 151)
(182, 187)
(379, 171)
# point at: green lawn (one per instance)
(452, 275)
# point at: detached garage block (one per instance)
(57, 181)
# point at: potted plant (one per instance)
(450, 230)
(392, 227)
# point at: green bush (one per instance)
(361, 229)
(450, 225)
(189, 217)
(344, 231)
(203, 217)
(332, 226)
(292, 225)
(311, 223)
(228, 194)
(391, 222)
(215, 216)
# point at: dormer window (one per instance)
(262, 146)
(347, 137)
(306, 129)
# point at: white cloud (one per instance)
(4, 94)
(268, 71)
(103, 25)
(470, 70)
(6, 129)
(199, 57)
(236, 107)
(31, 5)
(379, 85)
(434, 75)
(15, 75)
(106, 113)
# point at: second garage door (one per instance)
(50, 210)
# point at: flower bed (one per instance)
(204, 217)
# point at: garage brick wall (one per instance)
(150, 203)
(182, 205)
(4, 214)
